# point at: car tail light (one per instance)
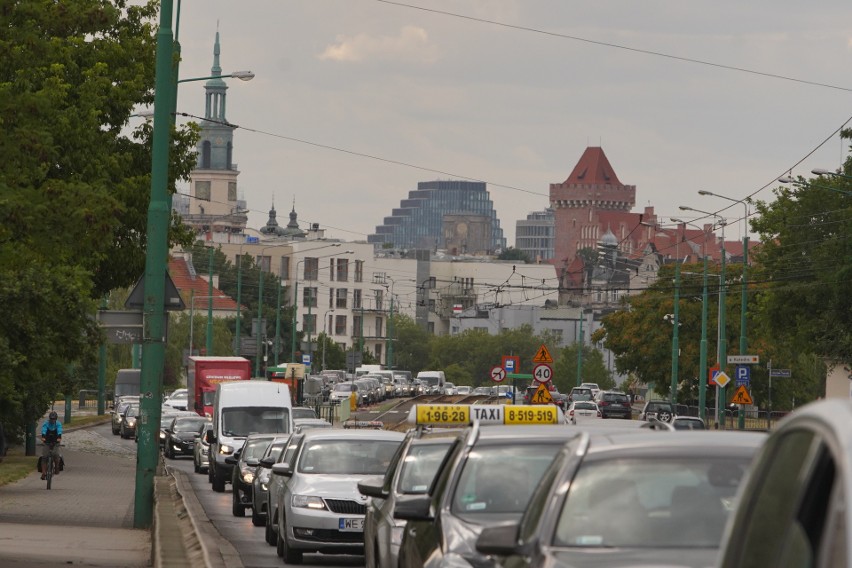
(603, 403)
(571, 413)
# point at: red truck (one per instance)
(204, 373)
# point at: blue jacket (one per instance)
(51, 433)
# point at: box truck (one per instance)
(241, 408)
(204, 373)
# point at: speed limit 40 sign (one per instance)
(542, 372)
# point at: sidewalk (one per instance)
(86, 519)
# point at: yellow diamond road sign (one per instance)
(722, 379)
(542, 355)
(541, 395)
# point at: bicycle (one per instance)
(50, 462)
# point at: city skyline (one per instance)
(408, 95)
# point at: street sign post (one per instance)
(743, 359)
(780, 373)
(511, 363)
(743, 375)
(542, 373)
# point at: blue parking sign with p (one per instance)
(743, 376)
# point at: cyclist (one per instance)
(51, 432)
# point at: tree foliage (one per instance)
(594, 368)
(511, 253)
(74, 189)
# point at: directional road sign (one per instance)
(541, 395)
(743, 359)
(743, 376)
(542, 372)
(780, 373)
(498, 374)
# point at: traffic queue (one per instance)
(528, 485)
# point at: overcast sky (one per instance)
(517, 107)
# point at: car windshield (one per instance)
(657, 406)
(274, 451)
(303, 413)
(419, 467)
(207, 397)
(189, 424)
(688, 424)
(254, 449)
(585, 406)
(583, 394)
(344, 387)
(132, 410)
(242, 421)
(650, 503)
(178, 397)
(616, 398)
(347, 457)
(501, 479)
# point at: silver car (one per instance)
(202, 448)
(260, 482)
(275, 486)
(319, 508)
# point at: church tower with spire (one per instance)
(214, 208)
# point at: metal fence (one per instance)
(88, 398)
(760, 420)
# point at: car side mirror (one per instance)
(417, 508)
(210, 437)
(282, 469)
(373, 487)
(231, 460)
(499, 540)
(267, 462)
(252, 462)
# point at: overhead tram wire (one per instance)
(618, 46)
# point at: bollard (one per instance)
(67, 418)
(31, 439)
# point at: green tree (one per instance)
(74, 189)
(411, 345)
(511, 253)
(594, 368)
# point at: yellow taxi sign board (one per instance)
(542, 355)
(541, 395)
(741, 396)
(462, 415)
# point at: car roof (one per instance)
(339, 434)
(263, 436)
(543, 433)
(678, 443)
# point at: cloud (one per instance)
(410, 45)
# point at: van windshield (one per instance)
(242, 421)
(431, 381)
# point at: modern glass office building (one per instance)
(536, 235)
(419, 220)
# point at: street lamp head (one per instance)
(786, 179)
(243, 75)
(705, 192)
(676, 220)
(822, 172)
(685, 208)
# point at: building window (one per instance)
(309, 323)
(264, 262)
(430, 327)
(232, 191)
(379, 299)
(310, 298)
(557, 336)
(356, 326)
(359, 271)
(378, 352)
(202, 190)
(285, 268)
(339, 325)
(331, 269)
(379, 327)
(342, 269)
(342, 294)
(356, 299)
(205, 157)
(331, 298)
(311, 269)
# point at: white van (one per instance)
(241, 408)
(433, 380)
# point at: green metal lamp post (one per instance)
(582, 342)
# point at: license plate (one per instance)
(352, 525)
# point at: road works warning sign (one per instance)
(541, 395)
(741, 396)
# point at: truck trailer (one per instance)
(204, 373)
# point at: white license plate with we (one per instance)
(352, 525)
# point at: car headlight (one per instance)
(131, 422)
(248, 476)
(162, 435)
(308, 502)
(226, 449)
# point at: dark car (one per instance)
(180, 435)
(260, 484)
(410, 473)
(118, 412)
(629, 499)
(245, 462)
(581, 393)
(487, 478)
(661, 410)
(127, 427)
(615, 405)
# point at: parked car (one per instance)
(300, 412)
(245, 462)
(615, 404)
(319, 508)
(180, 435)
(202, 448)
(410, 473)
(581, 411)
(634, 499)
(661, 410)
(688, 423)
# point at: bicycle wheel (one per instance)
(49, 470)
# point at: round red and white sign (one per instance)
(498, 374)
(542, 372)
